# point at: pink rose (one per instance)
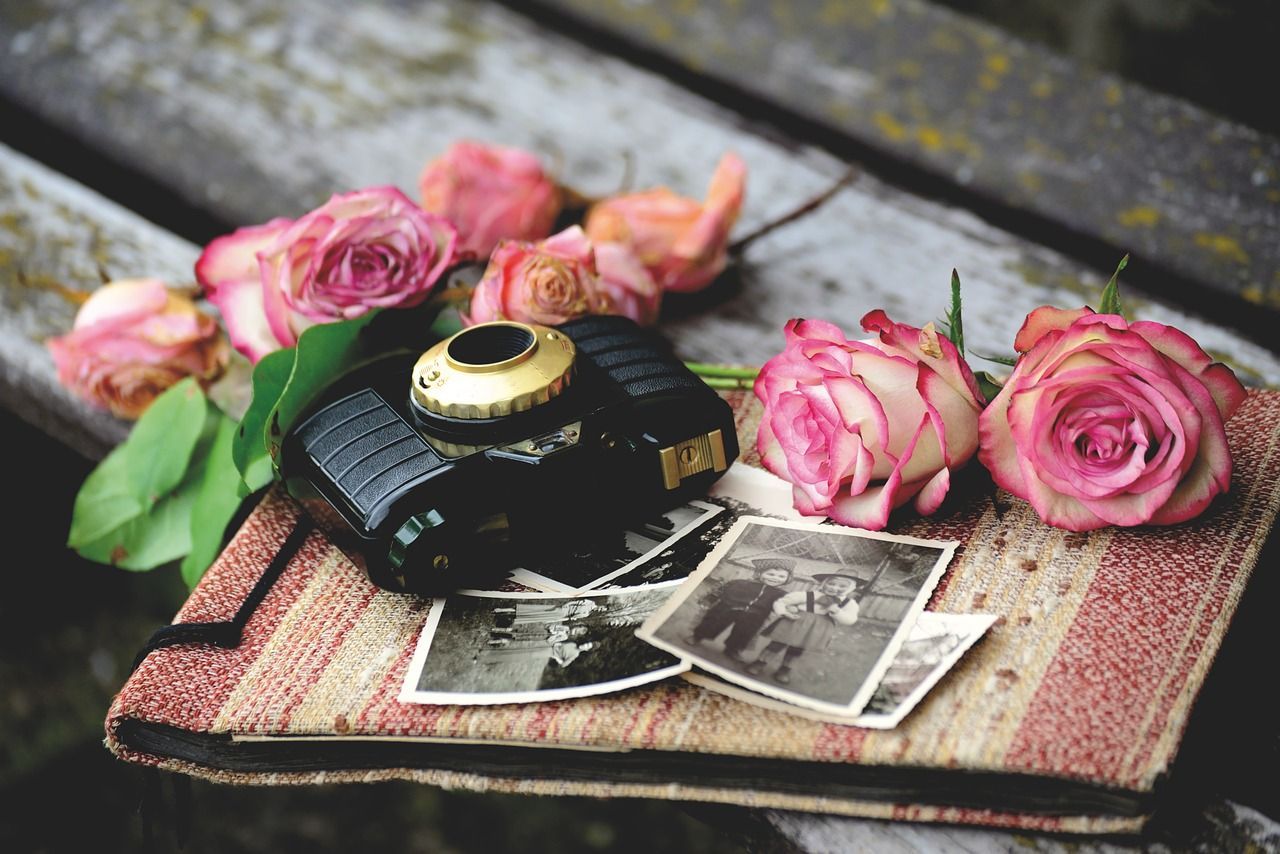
(1105, 422)
(683, 242)
(632, 292)
(367, 249)
(862, 427)
(490, 193)
(132, 339)
(558, 279)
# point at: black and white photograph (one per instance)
(742, 491)
(935, 644)
(482, 647)
(598, 560)
(807, 613)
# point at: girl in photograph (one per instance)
(744, 604)
(806, 619)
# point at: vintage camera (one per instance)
(506, 442)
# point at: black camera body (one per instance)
(505, 442)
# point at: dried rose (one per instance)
(1105, 422)
(628, 285)
(132, 339)
(862, 427)
(683, 242)
(548, 282)
(371, 248)
(490, 193)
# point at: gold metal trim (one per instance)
(455, 389)
(692, 456)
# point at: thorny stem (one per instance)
(740, 245)
(703, 369)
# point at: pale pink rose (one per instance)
(133, 339)
(683, 242)
(628, 285)
(862, 427)
(1105, 422)
(490, 193)
(548, 282)
(367, 249)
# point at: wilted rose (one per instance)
(628, 285)
(371, 248)
(550, 282)
(1106, 422)
(683, 242)
(862, 427)
(132, 339)
(490, 193)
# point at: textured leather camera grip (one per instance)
(365, 449)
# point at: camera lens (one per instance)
(490, 344)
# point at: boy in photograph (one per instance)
(806, 619)
(744, 604)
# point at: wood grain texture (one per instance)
(56, 239)
(252, 111)
(1006, 120)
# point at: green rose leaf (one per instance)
(217, 496)
(270, 376)
(988, 385)
(134, 510)
(324, 352)
(1110, 302)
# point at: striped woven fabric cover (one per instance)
(1089, 675)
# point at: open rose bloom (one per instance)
(490, 193)
(862, 427)
(681, 241)
(367, 249)
(561, 278)
(133, 339)
(1105, 422)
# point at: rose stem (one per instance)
(725, 382)
(703, 369)
(740, 245)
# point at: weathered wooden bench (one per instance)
(1027, 174)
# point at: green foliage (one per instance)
(133, 511)
(217, 495)
(955, 320)
(999, 360)
(1110, 303)
(987, 385)
(248, 449)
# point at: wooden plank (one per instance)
(252, 111)
(1075, 155)
(55, 238)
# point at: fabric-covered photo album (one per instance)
(1065, 717)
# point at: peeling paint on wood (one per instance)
(56, 241)
(1004, 118)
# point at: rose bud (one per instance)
(684, 243)
(132, 339)
(548, 282)
(490, 193)
(1106, 422)
(862, 427)
(362, 250)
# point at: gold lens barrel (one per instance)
(493, 369)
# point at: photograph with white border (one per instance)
(742, 491)
(807, 613)
(599, 559)
(936, 643)
(484, 647)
